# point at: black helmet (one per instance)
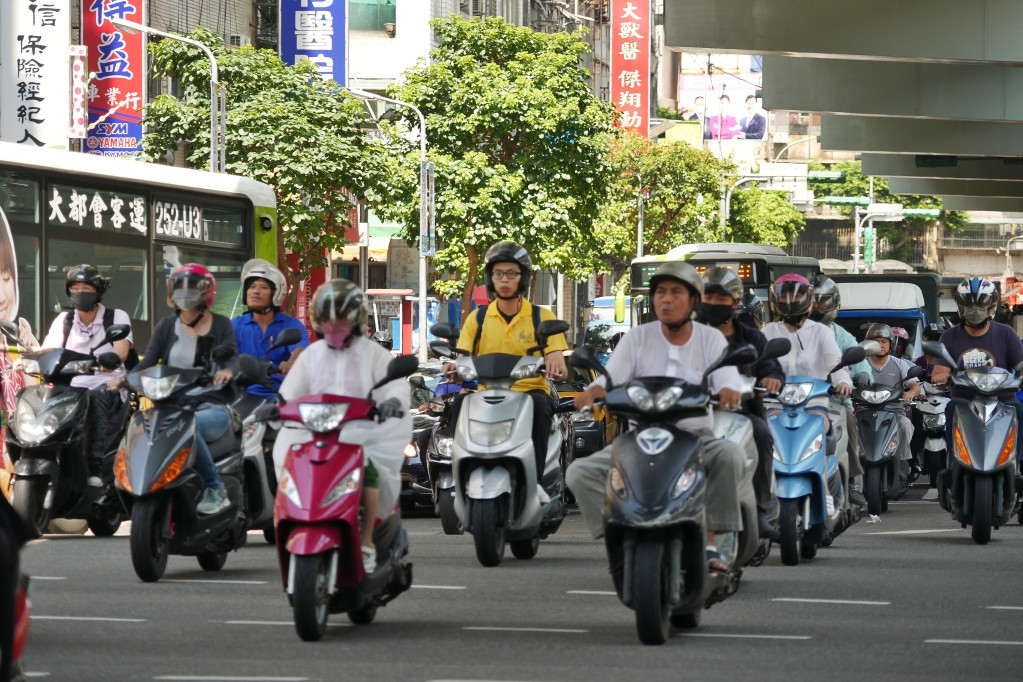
(879, 330)
(750, 311)
(933, 331)
(508, 252)
(719, 280)
(89, 275)
(681, 271)
(339, 299)
(826, 300)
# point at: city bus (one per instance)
(758, 265)
(135, 221)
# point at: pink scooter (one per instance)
(317, 510)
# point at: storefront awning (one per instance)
(377, 251)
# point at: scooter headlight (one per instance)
(30, 366)
(490, 433)
(525, 372)
(616, 481)
(158, 388)
(794, 394)
(320, 418)
(641, 398)
(32, 426)
(348, 484)
(987, 383)
(286, 487)
(684, 483)
(444, 447)
(815, 445)
(410, 451)
(934, 421)
(667, 397)
(876, 397)
(77, 367)
(467, 373)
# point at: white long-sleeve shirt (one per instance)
(814, 351)
(645, 352)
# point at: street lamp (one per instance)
(422, 210)
(793, 144)
(133, 27)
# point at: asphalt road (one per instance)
(909, 598)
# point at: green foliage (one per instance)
(285, 127)
(668, 113)
(521, 147)
(763, 217)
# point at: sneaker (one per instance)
(95, 481)
(369, 559)
(542, 494)
(856, 496)
(212, 501)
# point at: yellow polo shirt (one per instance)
(514, 338)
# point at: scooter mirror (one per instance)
(10, 330)
(916, 372)
(251, 368)
(870, 347)
(109, 361)
(445, 330)
(418, 381)
(546, 330)
(584, 358)
(936, 349)
(776, 348)
(288, 337)
(850, 356)
(745, 354)
(223, 353)
(117, 332)
(399, 368)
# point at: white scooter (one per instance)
(492, 453)
(931, 406)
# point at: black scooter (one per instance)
(156, 466)
(654, 517)
(436, 456)
(48, 438)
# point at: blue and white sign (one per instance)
(316, 31)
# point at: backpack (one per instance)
(108, 319)
(481, 313)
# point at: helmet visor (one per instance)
(792, 298)
(188, 290)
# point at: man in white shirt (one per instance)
(672, 346)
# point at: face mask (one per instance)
(337, 332)
(816, 315)
(716, 314)
(84, 301)
(794, 320)
(186, 299)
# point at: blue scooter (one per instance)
(810, 488)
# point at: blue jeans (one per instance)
(950, 435)
(211, 422)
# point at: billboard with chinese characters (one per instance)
(116, 93)
(34, 92)
(316, 31)
(630, 62)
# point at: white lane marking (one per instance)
(36, 674)
(219, 582)
(595, 592)
(925, 531)
(725, 635)
(972, 641)
(931, 494)
(1005, 608)
(47, 577)
(279, 622)
(439, 587)
(90, 618)
(224, 678)
(851, 602)
(490, 628)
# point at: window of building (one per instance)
(370, 15)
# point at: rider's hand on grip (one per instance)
(390, 408)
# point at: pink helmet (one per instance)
(901, 341)
(195, 279)
(791, 296)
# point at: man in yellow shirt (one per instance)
(508, 326)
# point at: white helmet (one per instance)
(257, 268)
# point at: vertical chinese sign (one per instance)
(630, 62)
(117, 91)
(316, 31)
(34, 86)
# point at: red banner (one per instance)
(630, 62)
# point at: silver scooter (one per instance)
(492, 453)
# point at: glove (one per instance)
(390, 408)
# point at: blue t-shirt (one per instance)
(252, 340)
(999, 346)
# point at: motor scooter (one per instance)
(156, 466)
(931, 406)
(810, 480)
(980, 486)
(492, 452)
(881, 440)
(655, 530)
(437, 457)
(48, 439)
(317, 514)
(258, 438)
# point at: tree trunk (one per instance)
(470, 281)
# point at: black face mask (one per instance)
(816, 315)
(84, 301)
(716, 314)
(794, 320)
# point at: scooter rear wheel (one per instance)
(788, 526)
(525, 549)
(105, 527)
(872, 489)
(935, 463)
(270, 535)
(311, 598)
(488, 531)
(27, 499)
(448, 518)
(211, 561)
(982, 509)
(651, 572)
(149, 549)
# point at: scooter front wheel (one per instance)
(651, 572)
(788, 526)
(448, 518)
(149, 549)
(982, 509)
(27, 499)
(872, 489)
(488, 531)
(312, 596)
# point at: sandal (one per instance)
(716, 561)
(369, 558)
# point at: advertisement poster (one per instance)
(316, 31)
(630, 63)
(116, 93)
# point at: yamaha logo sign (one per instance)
(654, 441)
